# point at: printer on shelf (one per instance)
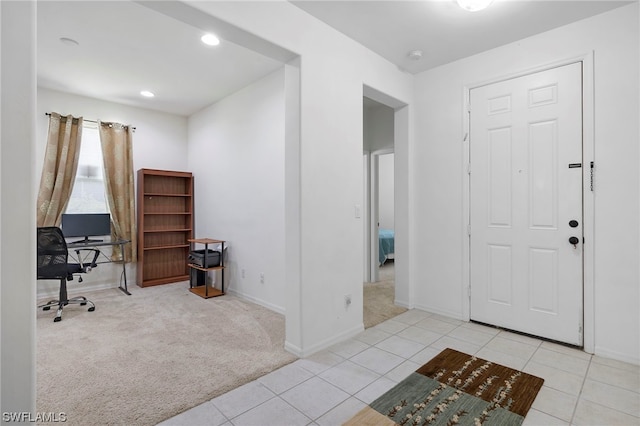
(196, 257)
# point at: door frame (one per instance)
(403, 188)
(374, 211)
(588, 158)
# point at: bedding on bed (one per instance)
(386, 244)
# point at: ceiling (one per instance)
(116, 57)
(441, 30)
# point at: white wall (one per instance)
(333, 71)
(236, 152)
(613, 37)
(378, 128)
(17, 214)
(159, 142)
(385, 191)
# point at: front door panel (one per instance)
(525, 188)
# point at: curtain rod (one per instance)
(86, 119)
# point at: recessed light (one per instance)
(474, 5)
(415, 55)
(69, 41)
(210, 40)
(147, 94)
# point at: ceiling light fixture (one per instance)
(474, 5)
(210, 40)
(147, 94)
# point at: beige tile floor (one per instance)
(333, 385)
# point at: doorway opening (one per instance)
(379, 225)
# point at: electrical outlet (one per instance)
(261, 277)
(347, 300)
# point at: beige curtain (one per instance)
(59, 169)
(117, 152)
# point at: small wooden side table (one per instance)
(206, 291)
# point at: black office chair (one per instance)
(53, 263)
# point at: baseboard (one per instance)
(618, 356)
(443, 312)
(403, 304)
(324, 344)
(293, 349)
(54, 291)
(107, 276)
(257, 301)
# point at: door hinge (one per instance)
(591, 171)
(469, 230)
(468, 168)
(468, 107)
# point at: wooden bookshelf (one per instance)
(165, 226)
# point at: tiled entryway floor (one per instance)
(333, 385)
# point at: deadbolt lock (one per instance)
(574, 241)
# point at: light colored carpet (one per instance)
(378, 303)
(140, 359)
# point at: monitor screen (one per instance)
(86, 225)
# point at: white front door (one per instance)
(526, 204)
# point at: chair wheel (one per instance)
(91, 309)
(84, 303)
(46, 308)
(57, 319)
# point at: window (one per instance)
(88, 195)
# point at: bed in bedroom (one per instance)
(385, 244)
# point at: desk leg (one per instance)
(124, 272)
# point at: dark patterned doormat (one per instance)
(454, 389)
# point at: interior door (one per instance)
(526, 243)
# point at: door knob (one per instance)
(573, 223)
(574, 241)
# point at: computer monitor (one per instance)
(86, 225)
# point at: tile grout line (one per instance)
(350, 395)
(584, 380)
(230, 419)
(532, 355)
